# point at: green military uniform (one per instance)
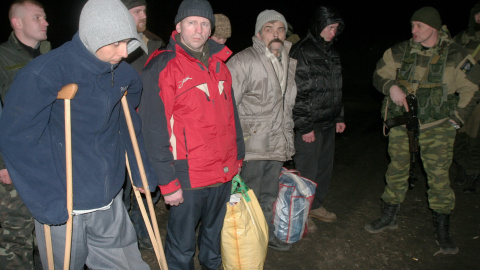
(438, 78)
(16, 233)
(438, 73)
(467, 141)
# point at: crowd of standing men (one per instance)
(203, 114)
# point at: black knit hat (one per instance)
(428, 15)
(134, 3)
(199, 8)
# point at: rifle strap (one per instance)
(476, 51)
(385, 119)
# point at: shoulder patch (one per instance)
(467, 66)
(474, 74)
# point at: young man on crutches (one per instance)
(33, 140)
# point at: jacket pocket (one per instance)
(256, 135)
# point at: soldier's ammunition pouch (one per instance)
(434, 103)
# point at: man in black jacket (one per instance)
(318, 111)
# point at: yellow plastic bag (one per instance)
(245, 232)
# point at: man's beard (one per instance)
(142, 26)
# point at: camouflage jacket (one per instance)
(456, 86)
(12, 58)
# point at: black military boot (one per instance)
(461, 177)
(472, 182)
(441, 222)
(388, 220)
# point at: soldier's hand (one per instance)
(398, 96)
(5, 177)
(175, 198)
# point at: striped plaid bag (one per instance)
(290, 210)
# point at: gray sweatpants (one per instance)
(103, 239)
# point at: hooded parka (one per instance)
(318, 77)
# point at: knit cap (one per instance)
(267, 16)
(199, 8)
(223, 29)
(103, 22)
(134, 3)
(428, 15)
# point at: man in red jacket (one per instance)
(192, 134)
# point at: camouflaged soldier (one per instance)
(466, 152)
(436, 70)
(27, 41)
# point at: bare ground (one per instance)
(360, 163)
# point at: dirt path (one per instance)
(360, 163)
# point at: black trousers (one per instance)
(206, 206)
(315, 161)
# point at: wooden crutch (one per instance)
(66, 93)
(158, 248)
(161, 256)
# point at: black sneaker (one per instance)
(278, 244)
(145, 244)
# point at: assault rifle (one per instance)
(410, 120)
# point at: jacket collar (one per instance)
(444, 40)
(217, 51)
(45, 45)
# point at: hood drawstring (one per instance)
(113, 74)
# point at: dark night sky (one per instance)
(365, 23)
(370, 28)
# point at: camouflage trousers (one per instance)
(436, 150)
(16, 234)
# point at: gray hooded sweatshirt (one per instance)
(98, 28)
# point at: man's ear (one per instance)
(16, 23)
(258, 36)
(177, 27)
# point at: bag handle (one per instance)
(290, 171)
(238, 186)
